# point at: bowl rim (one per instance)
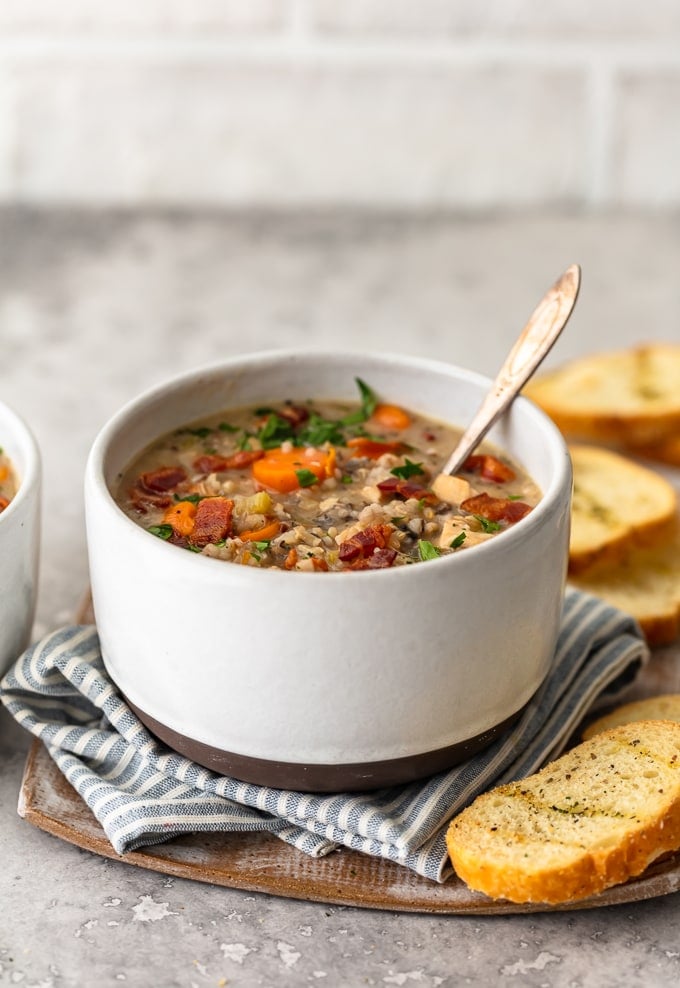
(95, 482)
(29, 477)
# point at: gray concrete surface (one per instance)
(94, 308)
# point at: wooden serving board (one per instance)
(263, 863)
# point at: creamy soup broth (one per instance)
(322, 486)
(8, 480)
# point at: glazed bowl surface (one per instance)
(327, 681)
(19, 539)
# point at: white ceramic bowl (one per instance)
(19, 539)
(327, 681)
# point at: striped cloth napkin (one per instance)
(143, 793)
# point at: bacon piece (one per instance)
(373, 449)
(496, 508)
(295, 414)
(213, 521)
(405, 489)
(381, 559)
(490, 468)
(162, 480)
(218, 464)
(210, 464)
(143, 500)
(364, 543)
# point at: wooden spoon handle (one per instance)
(534, 343)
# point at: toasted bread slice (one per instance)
(616, 504)
(629, 397)
(664, 707)
(594, 818)
(644, 583)
(667, 451)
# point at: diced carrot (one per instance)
(3, 502)
(372, 449)
(182, 517)
(4, 473)
(291, 559)
(280, 469)
(263, 534)
(391, 417)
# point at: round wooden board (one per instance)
(263, 863)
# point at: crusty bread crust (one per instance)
(593, 818)
(664, 707)
(666, 451)
(628, 397)
(617, 504)
(645, 582)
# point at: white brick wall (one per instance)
(422, 104)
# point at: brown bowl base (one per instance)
(314, 777)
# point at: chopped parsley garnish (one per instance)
(487, 525)
(369, 400)
(202, 432)
(458, 541)
(162, 531)
(275, 431)
(514, 497)
(244, 441)
(262, 546)
(306, 478)
(194, 498)
(318, 431)
(409, 469)
(427, 551)
(226, 427)
(345, 479)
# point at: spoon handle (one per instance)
(534, 342)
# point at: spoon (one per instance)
(533, 344)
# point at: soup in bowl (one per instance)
(19, 534)
(327, 612)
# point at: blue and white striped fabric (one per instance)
(142, 793)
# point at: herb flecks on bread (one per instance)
(616, 504)
(628, 397)
(593, 818)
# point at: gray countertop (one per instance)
(96, 307)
